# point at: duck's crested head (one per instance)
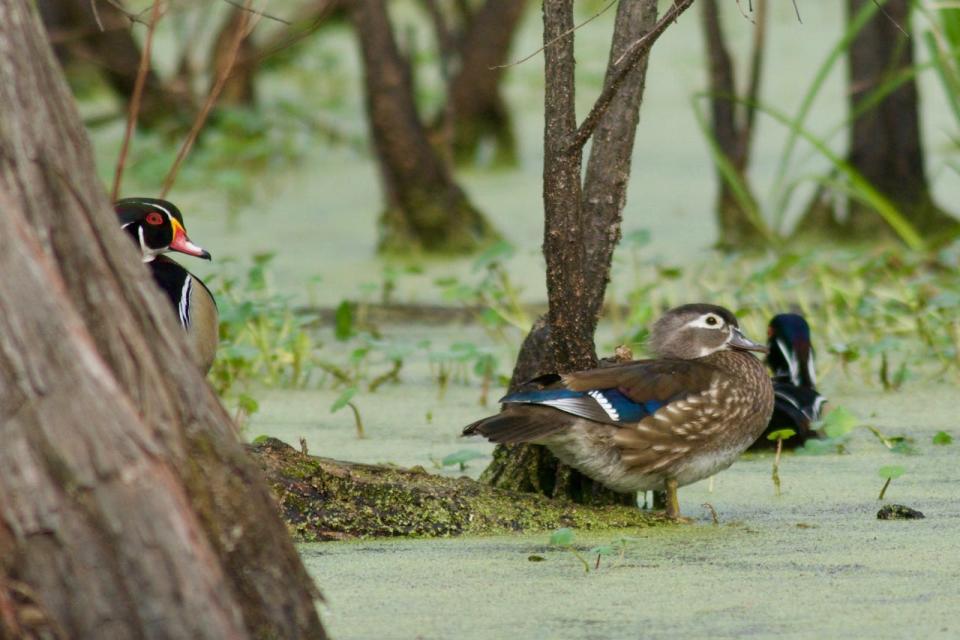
(156, 226)
(698, 330)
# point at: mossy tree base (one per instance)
(324, 499)
(428, 222)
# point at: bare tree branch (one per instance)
(558, 37)
(135, 99)
(625, 63)
(256, 12)
(243, 30)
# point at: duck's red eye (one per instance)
(154, 218)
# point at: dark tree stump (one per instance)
(425, 208)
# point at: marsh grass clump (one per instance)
(884, 315)
(263, 341)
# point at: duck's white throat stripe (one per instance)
(184, 307)
(604, 404)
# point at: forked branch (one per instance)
(625, 64)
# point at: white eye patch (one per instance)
(707, 321)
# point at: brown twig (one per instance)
(713, 513)
(135, 99)
(890, 18)
(558, 38)
(243, 30)
(625, 63)
(257, 12)
(316, 12)
(96, 14)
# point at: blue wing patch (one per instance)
(602, 405)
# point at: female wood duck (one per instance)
(797, 403)
(157, 227)
(650, 424)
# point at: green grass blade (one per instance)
(732, 177)
(862, 189)
(853, 28)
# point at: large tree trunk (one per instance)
(425, 208)
(582, 228)
(885, 140)
(731, 125)
(127, 504)
(477, 109)
(78, 35)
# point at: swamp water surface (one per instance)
(814, 562)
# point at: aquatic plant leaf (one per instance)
(343, 399)
(942, 437)
(891, 471)
(781, 434)
(562, 537)
(461, 457)
(343, 320)
(839, 422)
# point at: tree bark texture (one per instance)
(127, 505)
(582, 228)
(75, 29)
(731, 125)
(885, 140)
(477, 107)
(425, 208)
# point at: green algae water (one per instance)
(814, 562)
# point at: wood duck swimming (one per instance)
(157, 227)
(653, 424)
(791, 359)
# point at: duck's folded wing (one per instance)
(625, 396)
(660, 381)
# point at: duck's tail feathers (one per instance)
(513, 426)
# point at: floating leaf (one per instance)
(536, 558)
(839, 422)
(781, 434)
(603, 550)
(891, 471)
(562, 537)
(343, 399)
(942, 437)
(461, 457)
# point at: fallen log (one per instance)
(325, 499)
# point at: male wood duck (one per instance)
(797, 403)
(157, 227)
(654, 424)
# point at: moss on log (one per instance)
(324, 499)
